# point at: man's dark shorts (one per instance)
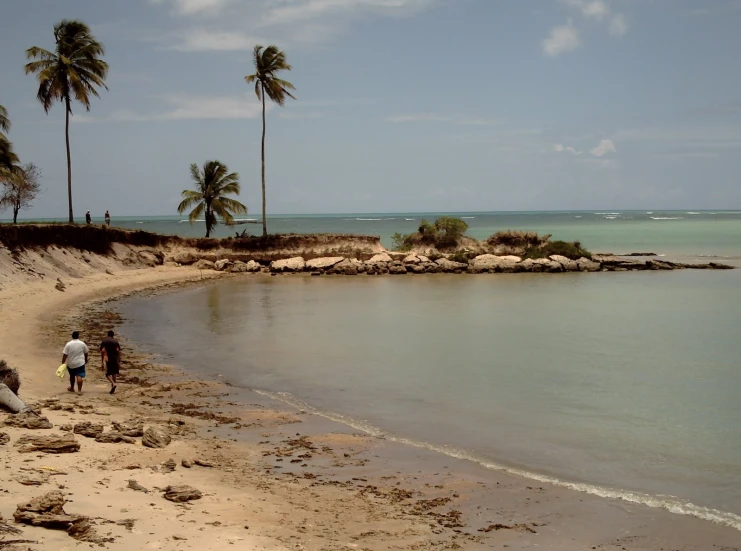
(111, 368)
(76, 372)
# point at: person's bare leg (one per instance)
(80, 380)
(112, 378)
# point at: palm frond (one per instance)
(74, 69)
(4, 120)
(213, 182)
(196, 212)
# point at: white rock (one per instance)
(382, 257)
(240, 267)
(586, 265)
(323, 263)
(568, 264)
(487, 262)
(449, 265)
(412, 259)
(295, 264)
(423, 259)
(223, 264)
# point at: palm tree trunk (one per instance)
(264, 218)
(16, 208)
(69, 161)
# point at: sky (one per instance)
(402, 105)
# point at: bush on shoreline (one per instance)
(571, 250)
(445, 233)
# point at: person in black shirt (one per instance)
(110, 356)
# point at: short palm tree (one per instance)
(73, 69)
(213, 183)
(268, 62)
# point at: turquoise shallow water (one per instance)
(716, 233)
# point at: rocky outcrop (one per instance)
(132, 427)
(323, 263)
(245, 267)
(380, 258)
(345, 267)
(87, 429)
(114, 437)
(46, 511)
(65, 443)
(28, 420)
(450, 266)
(295, 264)
(492, 263)
(184, 258)
(222, 264)
(182, 494)
(156, 437)
(567, 264)
(204, 265)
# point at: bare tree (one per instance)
(21, 185)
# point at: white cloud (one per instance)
(462, 120)
(596, 9)
(560, 148)
(231, 24)
(293, 11)
(562, 39)
(618, 25)
(195, 7)
(187, 107)
(202, 40)
(604, 147)
(565, 38)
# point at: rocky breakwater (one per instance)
(394, 263)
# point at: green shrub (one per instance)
(571, 250)
(517, 239)
(402, 242)
(449, 230)
(444, 233)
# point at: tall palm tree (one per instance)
(213, 183)
(8, 159)
(268, 62)
(73, 69)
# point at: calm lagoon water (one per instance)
(620, 384)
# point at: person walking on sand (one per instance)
(107, 218)
(88, 218)
(75, 355)
(110, 357)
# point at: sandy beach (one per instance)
(271, 476)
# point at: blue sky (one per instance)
(403, 105)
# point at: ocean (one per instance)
(694, 233)
(618, 384)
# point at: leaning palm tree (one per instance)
(268, 62)
(213, 183)
(8, 159)
(73, 69)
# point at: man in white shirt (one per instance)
(75, 355)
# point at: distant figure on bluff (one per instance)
(88, 218)
(107, 218)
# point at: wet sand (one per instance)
(277, 477)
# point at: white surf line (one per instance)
(669, 503)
